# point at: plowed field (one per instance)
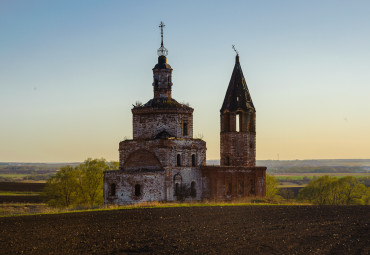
(193, 230)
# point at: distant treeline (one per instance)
(40, 168)
(306, 179)
(29, 171)
(363, 163)
(316, 169)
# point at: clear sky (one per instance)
(70, 71)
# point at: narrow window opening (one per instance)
(185, 129)
(226, 123)
(156, 80)
(193, 191)
(178, 160)
(112, 189)
(241, 187)
(228, 187)
(252, 187)
(237, 123)
(237, 99)
(193, 160)
(227, 161)
(137, 190)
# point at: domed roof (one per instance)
(162, 63)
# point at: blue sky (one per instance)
(71, 70)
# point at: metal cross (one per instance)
(237, 53)
(162, 25)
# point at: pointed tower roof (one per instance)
(237, 95)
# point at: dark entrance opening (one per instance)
(112, 189)
(137, 190)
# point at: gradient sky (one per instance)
(71, 70)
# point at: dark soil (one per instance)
(22, 186)
(20, 199)
(194, 230)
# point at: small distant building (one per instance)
(163, 162)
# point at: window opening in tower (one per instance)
(185, 129)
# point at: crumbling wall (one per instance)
(166, 151)
(152, 187)
(228, 183)
(147, 123)
(189, 184)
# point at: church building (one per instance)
(163, 162)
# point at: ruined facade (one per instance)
(163, 162)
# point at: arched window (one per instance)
(238, 122)
(137, 190)
(193, 160)
(178, 160)
(185, 129)
(193, 191)
(112, 190)
(177, 189)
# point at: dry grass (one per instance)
(19, 193)
(25, 208)
(16, 209)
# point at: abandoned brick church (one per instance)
(163, 162)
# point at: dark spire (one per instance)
(237, 95)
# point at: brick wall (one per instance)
(227, 183)
(239, 147)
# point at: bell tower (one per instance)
(162, 72)
(238, 122)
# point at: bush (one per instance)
(81, 185)
(328, 190)
(272, 187)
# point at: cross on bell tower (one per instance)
(162, 72)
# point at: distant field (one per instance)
(6, 175)
(18, 193)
